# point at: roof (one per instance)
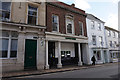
(94, 17)
(68, 7)
(106, 27)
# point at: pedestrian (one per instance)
(93, 60)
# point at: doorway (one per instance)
(52, 61)
(30, 54)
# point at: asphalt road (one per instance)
(106, 71)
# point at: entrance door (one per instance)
(51, 55)
(30, 53)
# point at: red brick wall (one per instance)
(62, 23)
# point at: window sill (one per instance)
(8, 58)
(55, 32)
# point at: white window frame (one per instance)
(99, 26)
(114, 35)
(82, 28)
(73, 32)
(101, 41)
(36, 16)
(109, 33)
(57, 21)
(9, 45)
(95, 40)
(92, 25)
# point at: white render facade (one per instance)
(96, 39)
(112, 43)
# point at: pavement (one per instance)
(40, 72)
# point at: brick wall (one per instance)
(62, 12)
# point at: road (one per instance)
(105, 71)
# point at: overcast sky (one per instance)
(106, 10)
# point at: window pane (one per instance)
(92, 24)
(32, 15)
(54, 26)
(31, 20)
(6, 6)
(5, 34)
(55, 22)
(81, 28)
(69, 28)
(32, 8)
(5, 13)
(4, 48)
(13, 52)
(14, 34)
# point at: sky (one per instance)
(106, 10)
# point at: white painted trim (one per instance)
(73, 31)
(65, 35)
(82, 28)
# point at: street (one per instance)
(105, 71)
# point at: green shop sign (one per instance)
(70, 38)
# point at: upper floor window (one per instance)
(9, 44)
(110, 43)
(92, 25)
(69, 25)
(55, 23)
(99, 26)
(114, 34)
(94, 39)
(101, 40)
(32, 15)
(5, 11)
(115, 44)
(109, 33)
(81, 28)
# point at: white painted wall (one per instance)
(96, 32)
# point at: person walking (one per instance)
(93, 60)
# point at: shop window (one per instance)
(55, 23)
(69, 24)
(9, 44)
(81, 28)
(62, 54)
(65, 54)
(98, 55)
(32, 15)
(5, 11)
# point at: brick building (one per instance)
(66, 35)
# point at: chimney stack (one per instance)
(73, 5)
